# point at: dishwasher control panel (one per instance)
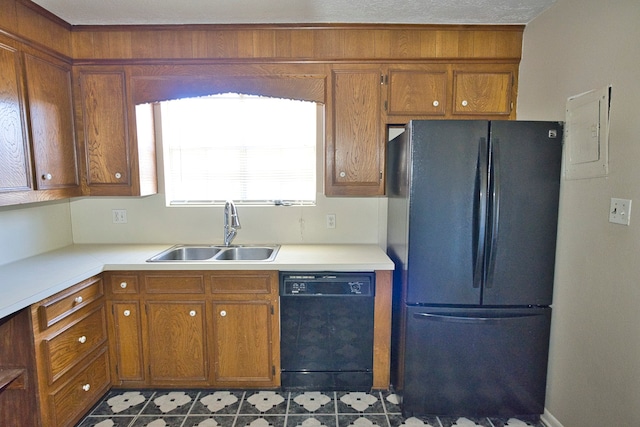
(327, 284)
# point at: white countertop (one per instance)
(30, 280)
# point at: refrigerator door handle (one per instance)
(480, 216)
(457, 318)
(494, 195)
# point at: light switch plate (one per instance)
(620, 211)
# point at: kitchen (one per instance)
(593, 375)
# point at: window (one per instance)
(249, 149)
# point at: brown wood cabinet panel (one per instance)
(417, 91)
(354, 144)
(15, 172)
(483, 92)
(52, 124)
(67, 302)
(65, 349)
(126, 351)
(124, 283)
(248, 282)
(106, 128)
(63, 304)
(176, 342)
(68, 404)
(174, 283)
(18, 405)
(243, 343)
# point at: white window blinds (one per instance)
(250, 149)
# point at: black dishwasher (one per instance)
(326, 331)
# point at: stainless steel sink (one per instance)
(186, 253)
(247, 253)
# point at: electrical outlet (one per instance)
(119, 216)
(331, 220)
(620, 211)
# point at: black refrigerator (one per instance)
(472, 223)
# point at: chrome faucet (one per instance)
(231, 222)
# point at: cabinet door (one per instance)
(52, 125)
(106, 135)
(354, 142)
(15, 174)
(127, 341)
(243, 338)
(177, 350)
(483, 92)
(416, 91)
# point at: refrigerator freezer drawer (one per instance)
(481, 362)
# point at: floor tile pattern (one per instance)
(211, 408)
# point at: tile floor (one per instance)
(209, 408)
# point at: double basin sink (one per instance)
(183, 253)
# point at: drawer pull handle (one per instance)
(192, 313)
(127, 313)
(223, 313)
(123, 285)
(464, 103)
(82, 339)
(78, 300)
(118, 175)
(86, 387)
(436, 103)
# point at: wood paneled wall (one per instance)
(31, 23)
(304, 43)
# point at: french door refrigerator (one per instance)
(472, 230)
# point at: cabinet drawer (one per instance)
(124, 284)
(174, 284)
(239, 283)
(61, 305)
(64, 350)
(81, 391)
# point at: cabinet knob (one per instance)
(82, 339)
(223, 313)
(86, 387)
(123, 285)
(118, 175)
(343, 174)
(47, 176)
(192, 313)
(78, 300)
(127, 313)
(436, 103)
(464, 103)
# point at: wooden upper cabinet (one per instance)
(416, 91)
(15, 173)
(112, 152)
(52, 125)
(106, 134)
(484, 91)
(354, 145)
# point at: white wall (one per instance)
(149, 221)
(32, 229)
(594, 371)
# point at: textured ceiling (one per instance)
(115, 12)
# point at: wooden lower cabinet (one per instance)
(71, 353)
(176, 333)
(243, 343)
(194, 329)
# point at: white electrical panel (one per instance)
(587, 135)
